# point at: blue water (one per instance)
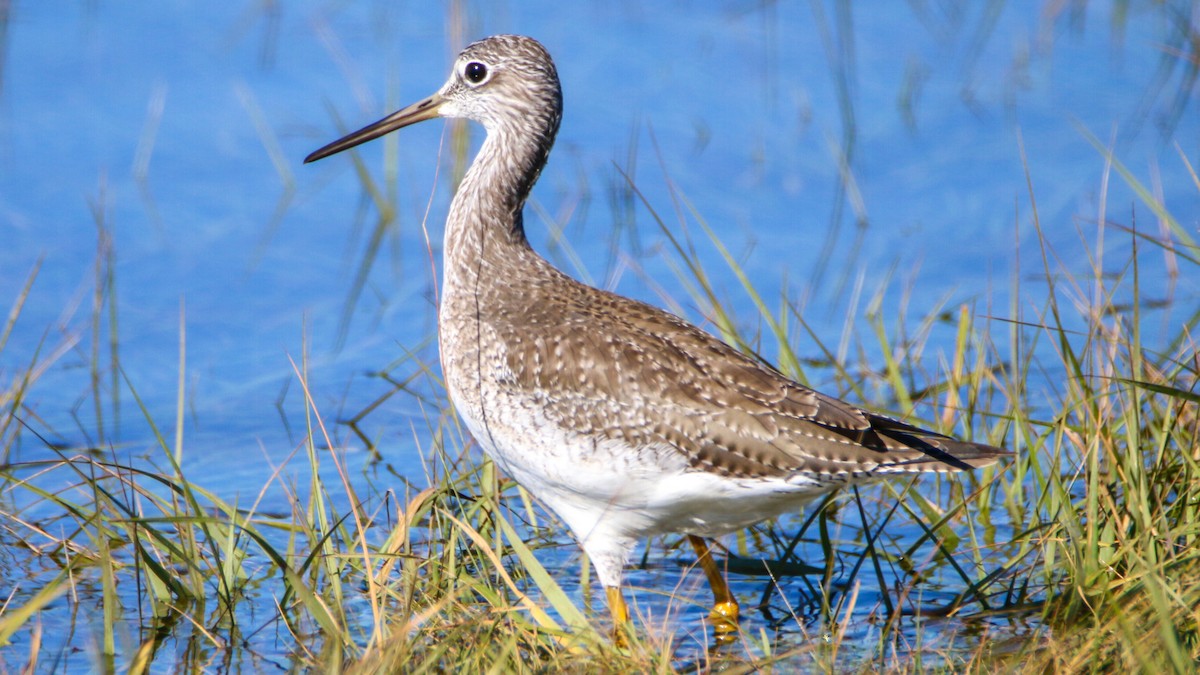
(163, 117)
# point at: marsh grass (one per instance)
(1109, 477)
(1079, 554)
(1087, 536)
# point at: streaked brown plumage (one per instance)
(624, 420)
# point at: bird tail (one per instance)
(919, 450)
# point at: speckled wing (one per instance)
(654, 379)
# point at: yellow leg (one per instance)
(724, 614)
(617, 606)
(620, 615)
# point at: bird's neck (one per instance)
(485, 233)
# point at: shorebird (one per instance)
(622, 419)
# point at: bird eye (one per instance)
(475, 72)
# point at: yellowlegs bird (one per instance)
(624, 420)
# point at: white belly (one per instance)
(629, 492)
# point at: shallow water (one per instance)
(183, 125)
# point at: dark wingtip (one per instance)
(937, 452)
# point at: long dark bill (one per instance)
(417, 112)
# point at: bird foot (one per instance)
(724, 618)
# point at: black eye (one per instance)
(475, 72)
